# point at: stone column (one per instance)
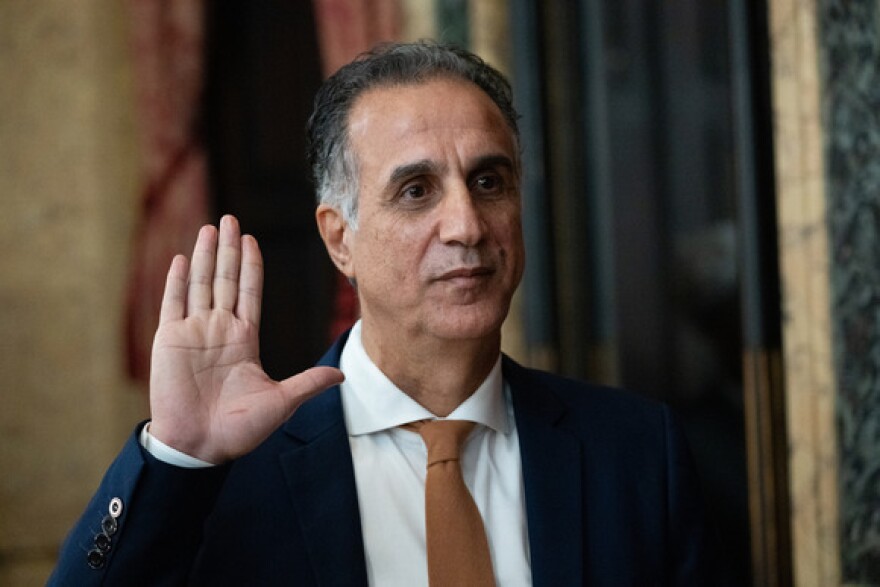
(826, 84)
(803, 248)
(68, 184)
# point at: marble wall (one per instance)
(849, 65)
(68, 188)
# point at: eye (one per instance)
(488, 183)
(415, 191)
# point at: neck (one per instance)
(438, 374)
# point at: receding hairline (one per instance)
(423, 80)
(431, 77)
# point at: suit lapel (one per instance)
(320, 476)
(551, 460)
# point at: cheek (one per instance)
(508, 233)
(397, 253)
(411, 241)
(510, 247)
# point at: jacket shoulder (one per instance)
(577, 400)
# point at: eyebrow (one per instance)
(428, 167)
(423, 167)
(489, 161)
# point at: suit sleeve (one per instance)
(143, 526)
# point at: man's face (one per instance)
(438, 251)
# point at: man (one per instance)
(242, 480)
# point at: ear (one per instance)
(336, 234)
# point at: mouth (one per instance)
(465, 274)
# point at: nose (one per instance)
(461, 220)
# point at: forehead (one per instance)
(391, 119)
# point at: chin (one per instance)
(470, 323)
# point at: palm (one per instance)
(209, 396)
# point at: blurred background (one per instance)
(700, 211)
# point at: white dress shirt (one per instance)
(389, 471)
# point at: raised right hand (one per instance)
(209, 395)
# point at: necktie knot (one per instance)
(444, 439)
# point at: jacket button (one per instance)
(109, 525)
(115, 507)
(95, 558)
(103, 542)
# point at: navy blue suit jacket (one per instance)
(610, 490)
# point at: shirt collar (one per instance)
(371, 402)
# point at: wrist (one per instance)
(168, 454)
(170, 437)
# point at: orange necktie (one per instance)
(458, 550)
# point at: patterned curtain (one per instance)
(167, 39)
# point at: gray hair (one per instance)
(334, 165)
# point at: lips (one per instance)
(465, 273)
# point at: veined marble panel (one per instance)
(849, 41)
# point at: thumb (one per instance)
(309, 383)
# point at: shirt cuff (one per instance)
(166, 454)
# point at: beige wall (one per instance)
(68, 187)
